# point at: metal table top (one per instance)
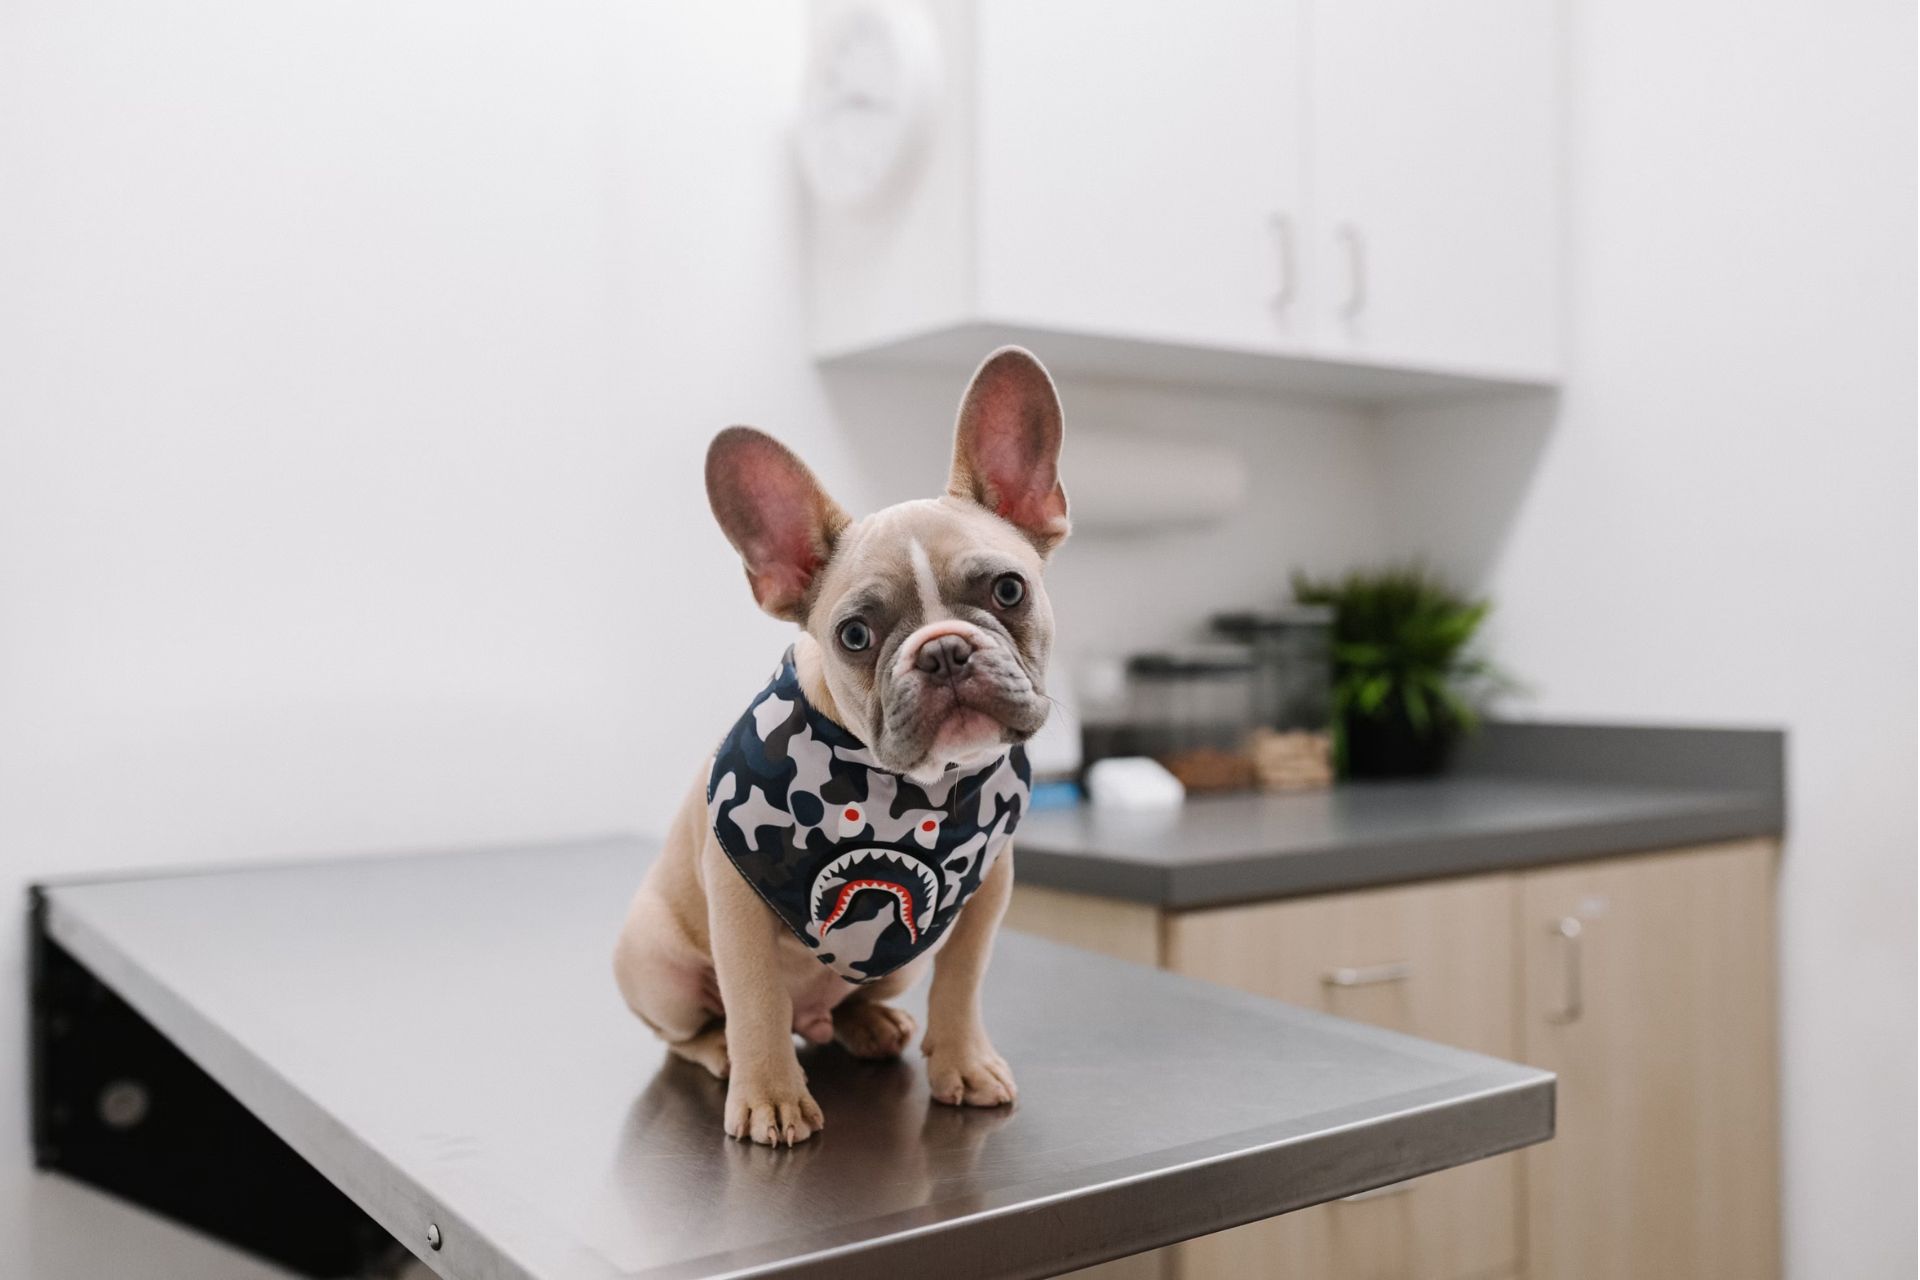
(440, 1036)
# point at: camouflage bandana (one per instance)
(867, 867)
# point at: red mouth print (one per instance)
(852, 887)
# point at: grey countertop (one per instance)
(1525, 795)
(440, 1036)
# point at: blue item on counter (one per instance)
(1053, 795)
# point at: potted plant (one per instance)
(1406, 686)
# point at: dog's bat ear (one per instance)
(774, 513)
(1006, 447)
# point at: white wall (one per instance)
(1719, 527)
(358, 361)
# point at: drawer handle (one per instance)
(1573, 1004)
(1371, 975)
(1282, 227)
(1380, 1193)
(1349, 237)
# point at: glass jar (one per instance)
(1292, 655)
(1191, 710)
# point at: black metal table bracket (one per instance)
(117, 1106)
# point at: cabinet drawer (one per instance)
(1435, 961)
(1448, 1226)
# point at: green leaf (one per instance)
(1414, 699)
(1459, 709)
(1361, 655)
(1373, 694)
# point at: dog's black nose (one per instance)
(943, 656)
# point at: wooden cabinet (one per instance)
(1646, 982)
(1435, 961)
(1658, 1016)
(1244, 191)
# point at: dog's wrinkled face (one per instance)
(930, 616)
(935, 629)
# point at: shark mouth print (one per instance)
(911, 884)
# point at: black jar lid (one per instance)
(1248, 625)
(1190, 664)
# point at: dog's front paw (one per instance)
(771, 1110)
(869, 1029)
(969, 1073)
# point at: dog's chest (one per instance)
(867, 869)
(814, 988)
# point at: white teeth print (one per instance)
(836, 873)
(829, 877)
(821, 887)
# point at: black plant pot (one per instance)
(1389, 746)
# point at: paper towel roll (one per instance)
(1125, 483)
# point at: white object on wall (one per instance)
(1135, 484)
(872, 82)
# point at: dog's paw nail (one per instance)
(773, 1115)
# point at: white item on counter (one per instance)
(1133, 782)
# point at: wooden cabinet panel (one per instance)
(1123, 930)
(1139, 1266)
(1435, 961)
(1665, 1161)
(1454, 938)
(1662, 1029)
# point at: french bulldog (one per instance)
(821, 863)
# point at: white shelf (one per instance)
(960, 347)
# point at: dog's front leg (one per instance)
(767, 1098)
(962, 1066)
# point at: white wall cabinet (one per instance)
(1434, 154)
(1347, 196)
(1138, 169)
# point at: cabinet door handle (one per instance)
(1379, 1193)
(1568, 930)
(1349, 236)
(1371, 975)
(1281, 224)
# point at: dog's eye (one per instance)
(855, 635)
(1009, 590)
